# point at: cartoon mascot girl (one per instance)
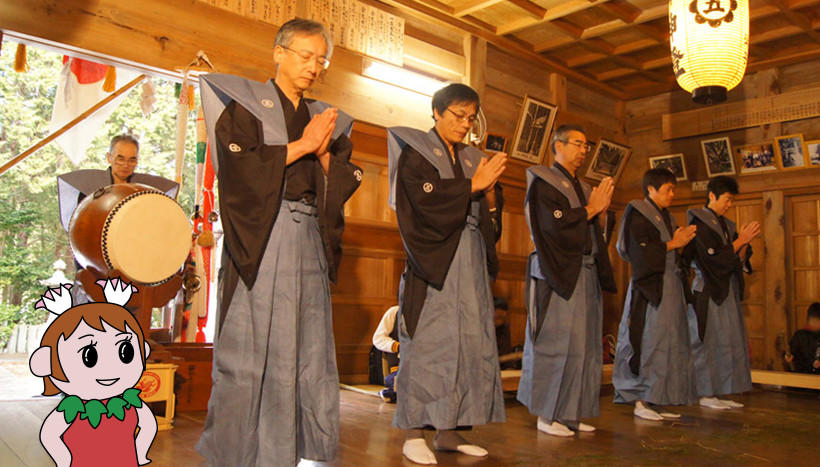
(95, 354)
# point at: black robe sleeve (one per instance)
(250, 187)
(342, 180)
(430, 220)
(717, 261)
(490, 227)
(559, 238)
(647, 254)
(250, 194)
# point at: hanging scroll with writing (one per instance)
(352, 24)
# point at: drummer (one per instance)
(122, 157)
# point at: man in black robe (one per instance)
(284, 174)
(653, 362)
(718, 254)
(561, 368)
(73, 187)
(805, 344)
(448, 205)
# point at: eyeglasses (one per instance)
(580, 145)
(123, 161)
(308, 56)
(463, 118)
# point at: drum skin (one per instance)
(93, 217)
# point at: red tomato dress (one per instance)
(110, 444)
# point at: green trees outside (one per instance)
(31, 237)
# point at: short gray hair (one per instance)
(123, 139)
(305, 27)
(562, 133)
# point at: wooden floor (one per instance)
(774, 429)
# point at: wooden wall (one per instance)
(787, 256)
(161, 37)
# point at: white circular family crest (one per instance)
(558, 214)
(427, 187)
(437, 152)
(267, 103)
(358, 175)
(234, 147)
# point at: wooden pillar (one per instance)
(767, 85)
(475, 63)
(774, 241)
(558, 91)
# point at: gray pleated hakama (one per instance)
(274, 369)
(722, 359)
(666, 370)
(561, 371)
(449, 374)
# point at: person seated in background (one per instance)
(502, 326)
(805, 344)
(386, 339)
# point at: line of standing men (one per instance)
(284, 171)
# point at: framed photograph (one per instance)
(753, 158)
(495, 143)
(673, 163)
(609, 161)
(717, 153)
(790, 152)
(813, 152)
(533, 130)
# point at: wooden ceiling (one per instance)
(620, 47)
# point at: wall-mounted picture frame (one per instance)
(717, 154)
(674, 163)
(533, 130)
(813, 152)
(755, 158)
(495, 143)
(609, 160)
(790, 151)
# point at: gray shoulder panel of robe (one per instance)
(430, 146)
(650, 212)
(261, 100)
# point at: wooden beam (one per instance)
(559, 11)
(622, 10)
(615, 73)
(585, 59)
(792, 105)
(797, 18)
(660, 35)
(534, 10)
(466, 7)
(785, 378)
(416, 8)
(634, 46)
(572, 29)
(650, 14)
(54, 135)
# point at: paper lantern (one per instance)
(709, 41)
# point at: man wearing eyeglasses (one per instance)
(122, 158)
(561, 368)
(73, 187)
(283, 164)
